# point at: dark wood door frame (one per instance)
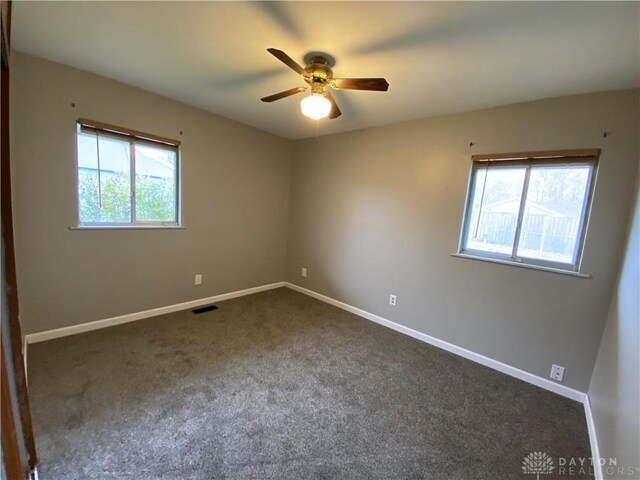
(14, 439)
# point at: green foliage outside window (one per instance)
(155, 198)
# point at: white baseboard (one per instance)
(593, 440)
(476, 357)
(131, 317)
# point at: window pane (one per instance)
(156, 175)
(494, 209)
(553, 209)
(111, 203)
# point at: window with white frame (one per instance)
(126, 178)
(531, 209)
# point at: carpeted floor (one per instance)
(278, 385)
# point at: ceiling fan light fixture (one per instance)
(315, 106)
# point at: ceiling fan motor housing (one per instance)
(319, 70)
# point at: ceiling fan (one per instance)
(318, 75)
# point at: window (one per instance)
(529, 208)
(126, 178)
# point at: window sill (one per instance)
(127, 227)
(522, 265)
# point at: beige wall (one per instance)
(378, 211)
(614, 392)
(235, 197)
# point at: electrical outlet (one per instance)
(393, 300)
(303, 272)
(557, 372)
(198, 279)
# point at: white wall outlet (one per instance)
(557, 372)
(393, 300)
(198, 279)
(303, 272)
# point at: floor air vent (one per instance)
(208, 308)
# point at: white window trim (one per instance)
(129, 226)
(542, 268)
(573, 157)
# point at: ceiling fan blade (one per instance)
(287, 60)
(377, 84)
(335, 110)
(286, 93)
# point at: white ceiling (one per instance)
(439, 57)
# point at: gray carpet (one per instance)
(278, 385)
